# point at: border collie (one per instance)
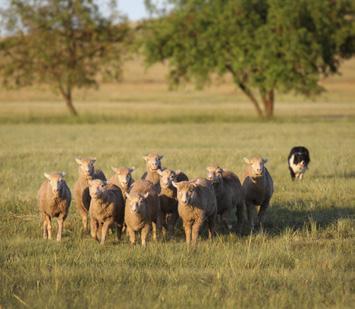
(298, 161)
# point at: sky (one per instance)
(134, 9)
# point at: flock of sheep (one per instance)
(154, 203)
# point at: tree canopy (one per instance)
(267, 46)
(67, 44)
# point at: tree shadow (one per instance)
(281, 216)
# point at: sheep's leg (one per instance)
(195, 231)
(144, 234)
(241, 216)
(104, 231)
(211, 226)
(119, 228)
(261, 215)
(93, 228)
(49, 226)
(165, 225)
(158, 226)
(187, 227)
(132, 235)
(99, 230)
(226, 219)
(154, 231)
(45, 232)
(251, 208)
(60, 228)
(84, 219)
(171, 219)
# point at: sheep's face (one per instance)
(214, 174)
(96, 188)
(166, 178)
(56, 181)
(153, 161)
(137, 202)
(86, 166)
(124, 176)
(186, 191)
(257, 166)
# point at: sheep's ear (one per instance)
(177, 172)
(132, 169)
(160, 172)
(62, 174)
(77, 160)
(209, 168)
(175, 184)
(145, 158)
(115, 169)
(160, 157)
(265, 161)
(93, 160)
(146, 195)
(246, 160)
(47, 176)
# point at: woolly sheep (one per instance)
(106, 209)
(196, 204)
(142, 211)
(54, 200)
(81, 187)
(168, 198)
(123, 179)
(229, 195)
(153, 164)
(258, 189)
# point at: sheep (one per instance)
(122, 179)
(142, 211)
(81, 187)
(106, 209)
(153, 164)
(229, 195)
(258, 188)
(168, 198)
(196, 204)
(54, 199)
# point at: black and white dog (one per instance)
(298, 161)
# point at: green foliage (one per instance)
(266, 45)
(65, 43)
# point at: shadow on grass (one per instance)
(145, 117)
(281, 217)
(346, 175)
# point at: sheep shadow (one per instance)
(282, 217)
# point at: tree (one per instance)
(265, 45)
(66, 44)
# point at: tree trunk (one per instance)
(67, 95)
(268, 98)
(69, 103)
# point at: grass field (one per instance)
(305, 257)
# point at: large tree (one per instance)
(66, 44)
(265, 45)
